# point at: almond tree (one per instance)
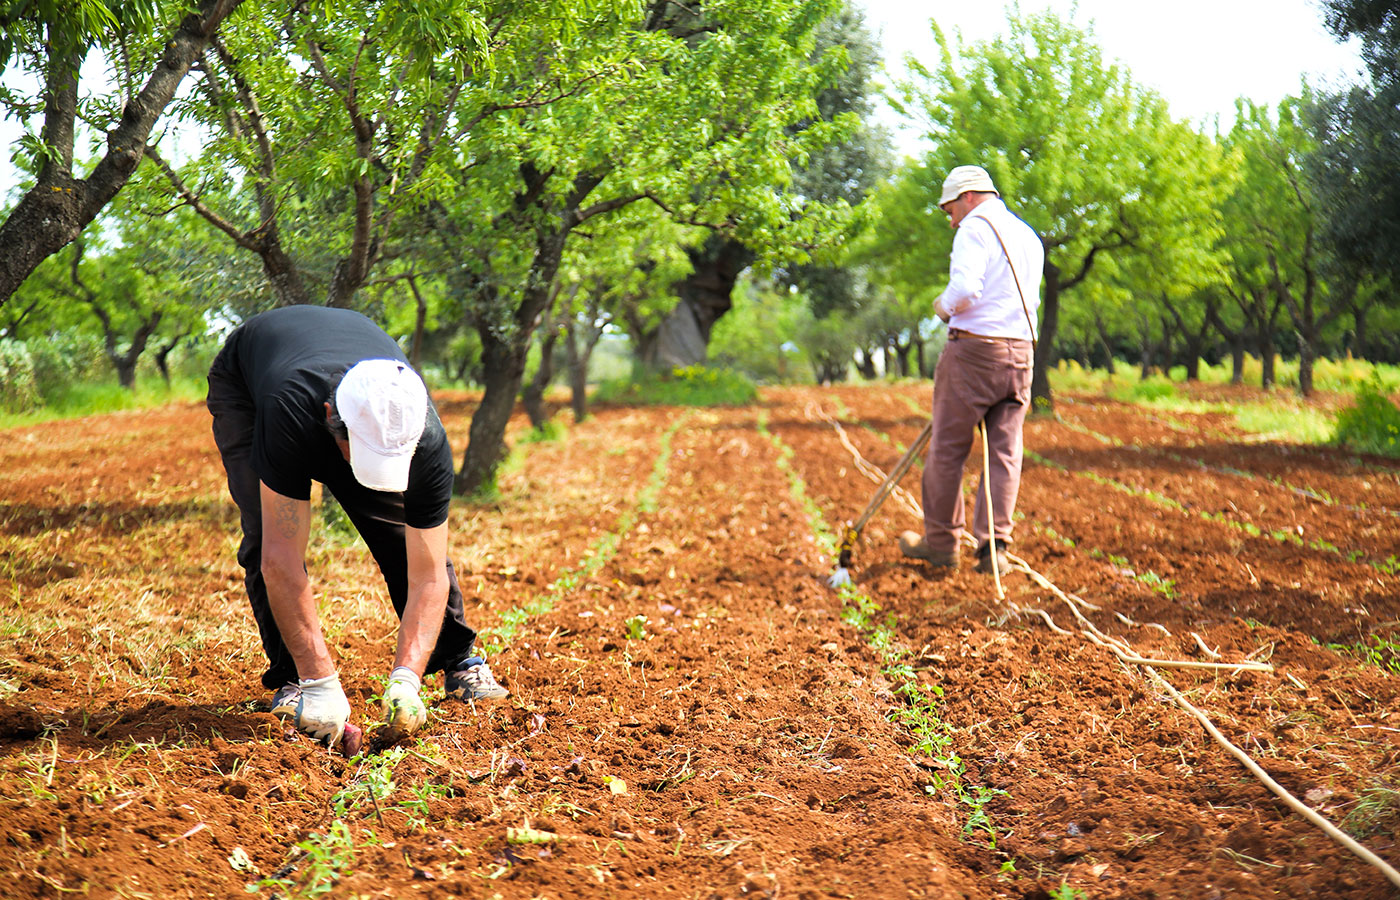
(686, 108)
(1274, 232)
(149, 46)
(329, 124)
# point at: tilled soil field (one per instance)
(694, 712)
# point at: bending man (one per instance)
(307, 393)
(984, 372)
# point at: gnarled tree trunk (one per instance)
(683, 337)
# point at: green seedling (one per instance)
(327, 857)
(1377, 811)
(1065, 892)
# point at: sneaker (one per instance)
(913, 545)
(473, 681)
(284, 700)
(984, 559)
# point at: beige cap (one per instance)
(963, 179)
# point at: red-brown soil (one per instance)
(745, 739)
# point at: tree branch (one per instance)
(194, 201)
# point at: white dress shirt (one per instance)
(981, 296)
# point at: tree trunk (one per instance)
(1041, 401)
(504, 352)
(163, 357)
(705, 295)
(125, 363)
(1265, 345)
(1109, 363)
(503, 369)
(1307, 355)
(1193, 357)
(533, 395)
(865, 364)
(578, 357)
(420, 324)
(1361, 338)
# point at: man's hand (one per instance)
(322, 709)
(404, 711)
(941, 311)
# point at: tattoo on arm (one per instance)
(285, 519)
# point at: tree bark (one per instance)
(1041, 401)
(533, 395)
(1110, 364)
(704, 296)
(865, 364)
(420, 322)
(163, 356)
(59, 206)
(579, 350)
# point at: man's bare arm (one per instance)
(286, 524)
(427, 596)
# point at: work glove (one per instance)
(322, 709)
(404, 712)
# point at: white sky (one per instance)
(1199, 54)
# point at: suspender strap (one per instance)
(1012, 266)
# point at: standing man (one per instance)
(305, 393)
(984, 372)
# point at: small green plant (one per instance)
(1065, 892)
(1382, 652)
(549, 430)
(1371, 424)
(976, 797)
(637, 628)
(1159, 584)
(326, 855)
(1377, 810)
(376, 784)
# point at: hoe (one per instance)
(848, 541)
(842, 575)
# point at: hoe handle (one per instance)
(886, 488)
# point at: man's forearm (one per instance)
(422, 621)
(286, 522)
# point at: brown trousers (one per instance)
(977, 378)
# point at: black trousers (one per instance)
(377, 515)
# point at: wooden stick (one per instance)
(991, 519)
(1293, 803)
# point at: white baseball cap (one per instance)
(963, 179)
(384, 405)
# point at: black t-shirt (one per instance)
(287, 359)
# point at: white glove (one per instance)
(404, 711)
(322, 709)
